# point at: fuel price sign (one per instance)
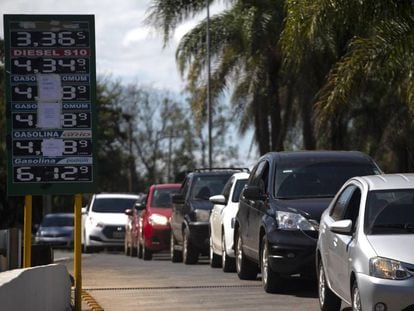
(51, 113)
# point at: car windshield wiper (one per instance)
(407, 226)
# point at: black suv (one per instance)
(191, 212)
(276, 227)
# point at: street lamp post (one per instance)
(209, 108)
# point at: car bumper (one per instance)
(157, 238)
(200, 235)
(292, 252)
(55, 241)
(395, 294)
(110, 235)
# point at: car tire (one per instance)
(133, 252)
(146, 253)
(356, 297)
(176, 255)
(190, 253)
(271, 280)
(215, 260)
(227, 263)
(246, 269)
(328, 301)
(139, 251)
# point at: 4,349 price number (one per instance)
(52, 173)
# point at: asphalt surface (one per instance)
(118, 282)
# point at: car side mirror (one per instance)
(177, 198)
(129, 212)
(83, 210)
(140, 206)
(254, 193)
(218, 199)
(342, 227)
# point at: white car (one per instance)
(104, 220)
(365, 253)
(222, 223)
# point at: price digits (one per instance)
(24, 92)
(34, 147)
(25, 39)
(53, 173)
(49, 65)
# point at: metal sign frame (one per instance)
(51, 104)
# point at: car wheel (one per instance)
(327, 299)
(215, 260)
(228, 263)
(190, 253)
(146, 253)
(246, 270)
(271, 280)
(176, 255)
(356, 298)
(139, 254)
(133, 252)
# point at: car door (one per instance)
(216, 216)
(256, 211)
(177, 216)
(340, 246)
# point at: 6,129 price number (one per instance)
(52, 173)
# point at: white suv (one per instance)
(104, 220)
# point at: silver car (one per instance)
(365, 250)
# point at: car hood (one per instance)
(110, 218)
(201, 204)
(393, 246)
(162, 211)
(311, 207)
(55, 230)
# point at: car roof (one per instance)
(161, 186)
(388, 181)
(242, 175)
(117, 195)
(320, 155)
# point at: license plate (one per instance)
(118, 235)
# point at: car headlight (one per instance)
(385, 268)
(293, 221)
(202, 215)
(96, 223)
(156, 219)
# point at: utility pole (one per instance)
(209, 108)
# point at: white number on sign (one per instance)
(26, 64)
(49, 65)
(28, 92)
(69, 92)
(69, 120)
(65, 39)
(49, 38)
(24, 38)
(23, 174)
(28, 119)
(70, 147)
(28, 146)
(70, 64)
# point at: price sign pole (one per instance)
(51, 113)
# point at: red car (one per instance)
(154, 221)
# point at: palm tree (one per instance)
(245, 56)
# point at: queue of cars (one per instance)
(328, 215)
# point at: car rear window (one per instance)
(207, 186)
(57, 221)
(113, 205)
(303, 179)
(162, 197)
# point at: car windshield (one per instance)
(206, 186)
(57, 221)
(302, 179)
(390, 212)
(113, 205)
(162, 197)
(238, 189)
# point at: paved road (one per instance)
(118, 282)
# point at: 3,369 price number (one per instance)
(48, 39)
(56, 173)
